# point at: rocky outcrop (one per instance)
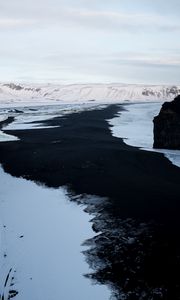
(167, 126)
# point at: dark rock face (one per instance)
(167, 126)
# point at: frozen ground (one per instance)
(41, 233)
(135, 126)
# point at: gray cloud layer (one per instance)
(100, 40)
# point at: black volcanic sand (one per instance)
(6, 122)
(137, 252)
(82, 154)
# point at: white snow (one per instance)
(3, 118)
(41, 233)
(135, 126)
(7, 137)
(60, 99)
(3, 136)
(56, 100)
(24, 121)
(34, 94)
(27, 115)
(40, 229)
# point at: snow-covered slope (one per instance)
(23, 93)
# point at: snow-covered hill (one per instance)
(29, 93)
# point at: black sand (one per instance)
(82, 154)
(6, 122)
(143, 199)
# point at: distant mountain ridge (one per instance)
(10, 92)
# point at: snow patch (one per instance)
(40, 233)
(135, 126)
(33, 117)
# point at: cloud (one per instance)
(9, 23)
(48, 14)
(159, 60)
(110, 20)
(95, 39)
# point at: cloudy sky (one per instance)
(133, 41)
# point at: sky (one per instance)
(97, 41)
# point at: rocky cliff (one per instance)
(167, 126)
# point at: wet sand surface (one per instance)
(137, 252)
